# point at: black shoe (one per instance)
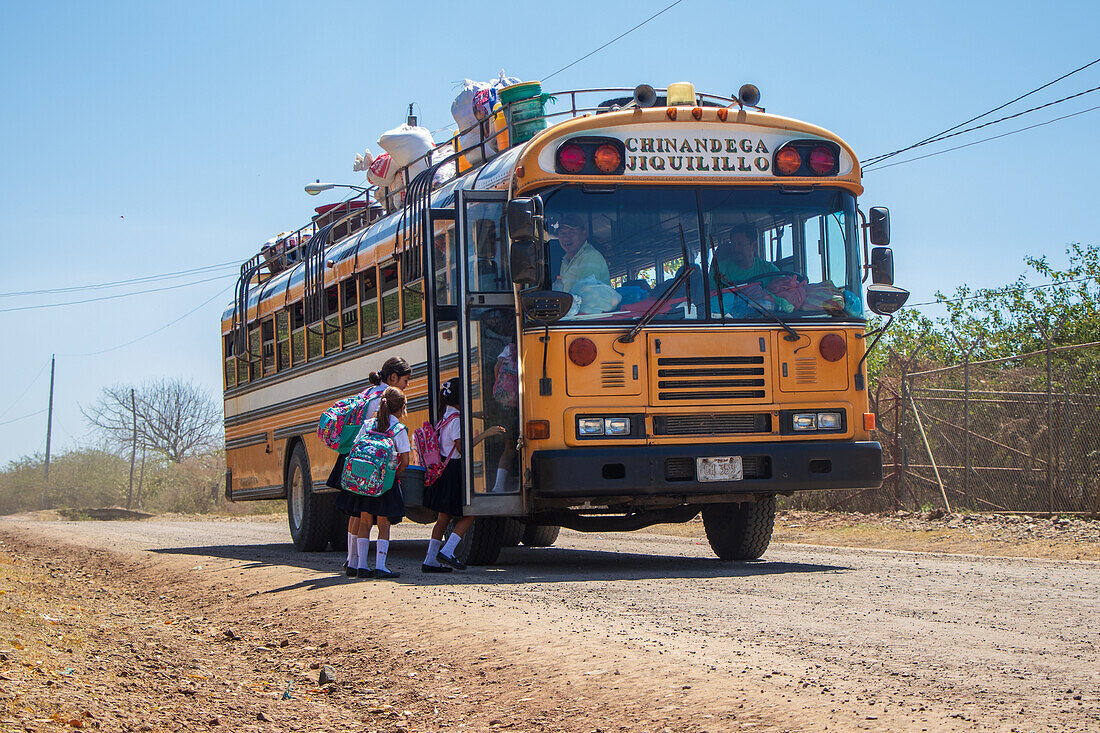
(435, 569)
(384, 574)
(351, 572)
(361, 573)
(446, 559)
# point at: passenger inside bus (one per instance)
(579, 259)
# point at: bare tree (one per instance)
(175, 418)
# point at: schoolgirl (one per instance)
(388, 508)
(445, 495)
(395, 372)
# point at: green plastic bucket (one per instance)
(526, 111)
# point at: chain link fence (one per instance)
(1017, 434)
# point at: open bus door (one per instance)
(473, 317)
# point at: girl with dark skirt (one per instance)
(395, 373)
(445, 495)
(388, 508)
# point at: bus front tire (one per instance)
(513, 532)
(740, 531)
(309, 515)
(540, 535)
(483, 541)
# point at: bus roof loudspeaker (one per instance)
(749, 94)
(644, 95)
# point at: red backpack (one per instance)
(428, 448)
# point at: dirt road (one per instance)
(602, 632)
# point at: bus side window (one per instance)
(282, 340)
(446, 272)
(230, 362)
(836, 263)
(412, 294)
(267, 336)
(349, 312)
(297, 334)
(332, 319)
(391, 298)
(368, 283)
(254, 346)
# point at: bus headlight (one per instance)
(589, 426)
(620, 426)
(813, 422)
(616, 426)
(804, 421)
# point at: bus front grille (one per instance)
(723, 423)
(711, 378)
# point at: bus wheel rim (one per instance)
(297, 496)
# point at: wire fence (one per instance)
(1017, 434)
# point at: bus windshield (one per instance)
(619, 253)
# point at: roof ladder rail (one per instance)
(240, 308)
(313, 299)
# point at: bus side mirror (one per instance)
(525, 261)
(882, 266)
(880, 225)
(523, 218)
(545, 306)
(885, 299)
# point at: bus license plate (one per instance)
(719, 468)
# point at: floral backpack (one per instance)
(506, 385)
(428, 448)
(371, 469)
(340, 423)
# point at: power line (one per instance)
(1003, 288)
(28, 389)
(114, 297)
(983, 140)
(118, 283)
(221, 292)
(989, 112)
(24, 417)
(626, 33)
(879, 159)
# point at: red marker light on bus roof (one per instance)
(607, 158)
(571, 158)
(787, 161)
(822, 160)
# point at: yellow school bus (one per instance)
(662, 304)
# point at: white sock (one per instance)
(381, 549)
(433, 550)
(501, 484)
(353, 551)
(363, 546)
(452, 544)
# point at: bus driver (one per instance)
(736, 259)
(581, 259)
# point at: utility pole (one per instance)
(133, 448)
(49, 429)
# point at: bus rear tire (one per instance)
(540, 535)
(740, 531)
(309, 515)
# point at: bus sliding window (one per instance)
(297, 334)
(267, 332)
(282, 340)
(391, 298)
(368, 311)
(349, 313)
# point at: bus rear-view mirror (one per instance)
(885, 300)
(525, 261)
(545, 306)
(882, 266)
(523, 215)
(879, 221)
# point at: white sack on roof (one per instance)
(405, 143)
(363, 161)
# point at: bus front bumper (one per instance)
(670, 470)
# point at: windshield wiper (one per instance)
(652, 310)
(723, 283)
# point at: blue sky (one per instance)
(146, 138)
